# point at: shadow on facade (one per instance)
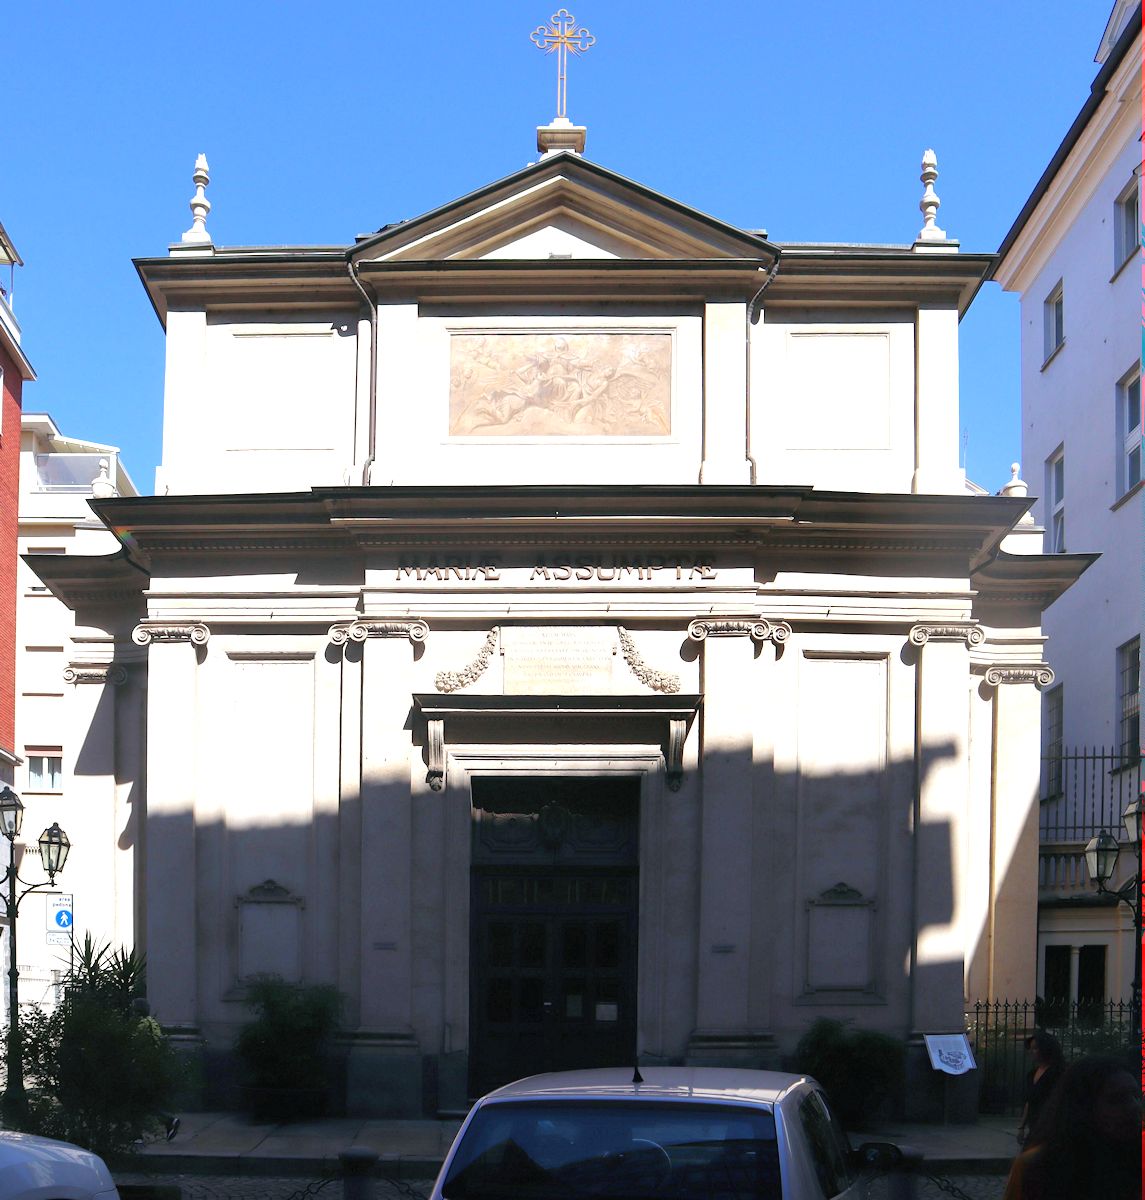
(760, 909)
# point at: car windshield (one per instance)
(616, 1149)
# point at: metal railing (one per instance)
(1084, 792)
(998, 1030)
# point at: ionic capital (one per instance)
(161, 631)
(115, 675)
(759, 630)
(359, 631)
(1039, 674)
(966, 631)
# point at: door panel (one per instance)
(554, 928)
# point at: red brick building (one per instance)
(14, 370)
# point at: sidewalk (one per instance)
(231, 1144)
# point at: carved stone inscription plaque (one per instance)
(560, 385)
(542, 660)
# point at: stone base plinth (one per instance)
(383, 1075)
(753, 1049)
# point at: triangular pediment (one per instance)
(563, 207)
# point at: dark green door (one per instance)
(553, 945)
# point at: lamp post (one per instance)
(1101, 855)
(54, 847)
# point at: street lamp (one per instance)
(54, 847)
(1101, 853)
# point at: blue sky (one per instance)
(324, 121)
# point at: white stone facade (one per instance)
(566, 489)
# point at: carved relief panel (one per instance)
(615, 384)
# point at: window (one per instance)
(1091, 978)
(828, 1145)
(1129, 698)
(1055, 986)
(1126, 236)
(1055, 502)
(1129, 432)
(1055, 710)
(1055, 321)
(45, 770)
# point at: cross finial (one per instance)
(200, 205)
(565, 37)
(929, 203)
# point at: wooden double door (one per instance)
(553, 926)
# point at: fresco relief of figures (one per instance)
(560, 385)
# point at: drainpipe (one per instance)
(372, 309)
(752, 308)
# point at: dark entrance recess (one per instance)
(553, 926)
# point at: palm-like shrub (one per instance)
(98, 1069)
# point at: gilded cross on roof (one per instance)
(565, 38)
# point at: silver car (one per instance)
(674, 1132)
(36, 1168)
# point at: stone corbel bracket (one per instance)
(1039, 674)
(454, 681)
(89, 673)
(674, 752)
(968, 632)
(358, 631)
(435, 753)
(759, 631)
(658, 681)
(161, 631)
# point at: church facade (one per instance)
(563, 624)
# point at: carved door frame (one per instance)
(646, 763)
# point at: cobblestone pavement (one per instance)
(254, 1187)
(975, 1187)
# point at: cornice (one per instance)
(1022, 579)
(772, 520)
(310, 279)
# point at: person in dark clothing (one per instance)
(1047, 1068)
(1086, 1144)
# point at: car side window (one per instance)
(828, 1145)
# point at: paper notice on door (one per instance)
(608, 1012)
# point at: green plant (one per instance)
(287, 1045)
(99, 1071)
(861, 1071)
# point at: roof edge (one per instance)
(1096, 96)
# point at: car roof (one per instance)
(705, 1084)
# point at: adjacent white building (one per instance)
(565, 626)
(58, 705)
(1073, 257)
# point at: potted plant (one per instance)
(285, 1050)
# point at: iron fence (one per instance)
(998, 1030)
(1086, 791)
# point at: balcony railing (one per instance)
(71, 472)
(1084, 792)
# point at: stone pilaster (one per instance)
(171, 929)
(943, 782)
(737, 654)
(725, 394)
(384, 1063)
(1012, 915)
